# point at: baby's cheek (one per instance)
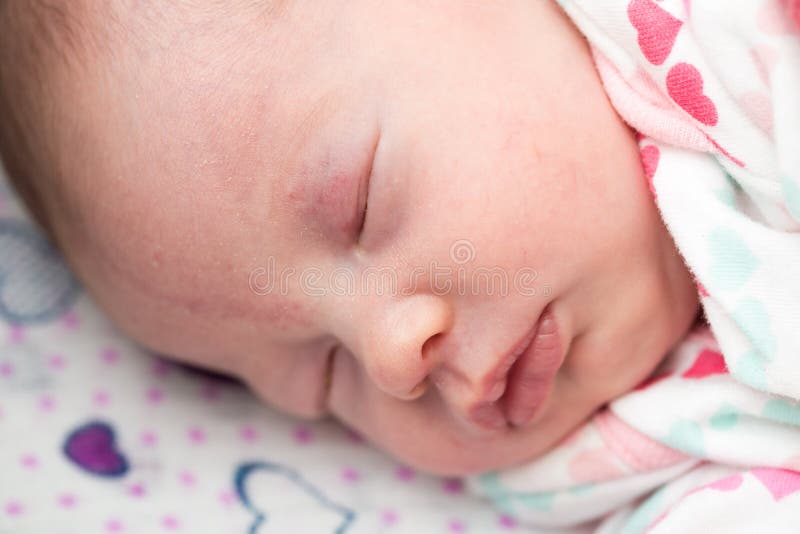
(290, 395)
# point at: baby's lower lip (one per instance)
(530, 379)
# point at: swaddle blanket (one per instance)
(712, 443)
(98, 436)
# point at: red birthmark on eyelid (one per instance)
(330, 203)
(338, 200)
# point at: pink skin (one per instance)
(232, 140)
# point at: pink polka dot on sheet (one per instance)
(67, 500)
(196, 435)
(456, 526)
(507, 522)
(389, 517)
(57, 362)
(187, 478)
(148, 438)
(351, 475)
(454, 486)
(29, 461)
(16, 334)
(14, 508)
(6, 369)
(248, 433)
(170, 522)
(155, 395)
(114, 525)
(302, 434)
(47, 403)
(101, 398)
(404, 473)
(110, 356)
(70, 320)
(226, 497)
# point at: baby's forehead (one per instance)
(171, 163)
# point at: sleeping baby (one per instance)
(549, 246)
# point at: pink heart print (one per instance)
(685, 87)
(656, 27)
(632, 447)
(779, 482)
(708, 362)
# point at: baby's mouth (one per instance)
(519, 397)
(530, 379)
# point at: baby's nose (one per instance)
(399, 345)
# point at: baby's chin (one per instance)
(428, 438)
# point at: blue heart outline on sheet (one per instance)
(35, 284)
(244, 471)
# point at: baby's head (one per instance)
(359, 208)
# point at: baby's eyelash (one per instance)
(363, 211)
(366, 188)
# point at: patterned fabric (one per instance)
(712, 442)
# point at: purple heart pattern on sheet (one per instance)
(93, 448)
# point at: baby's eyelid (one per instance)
(363, 194)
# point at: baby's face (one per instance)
(213, 201)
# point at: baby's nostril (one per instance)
(429, 345)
